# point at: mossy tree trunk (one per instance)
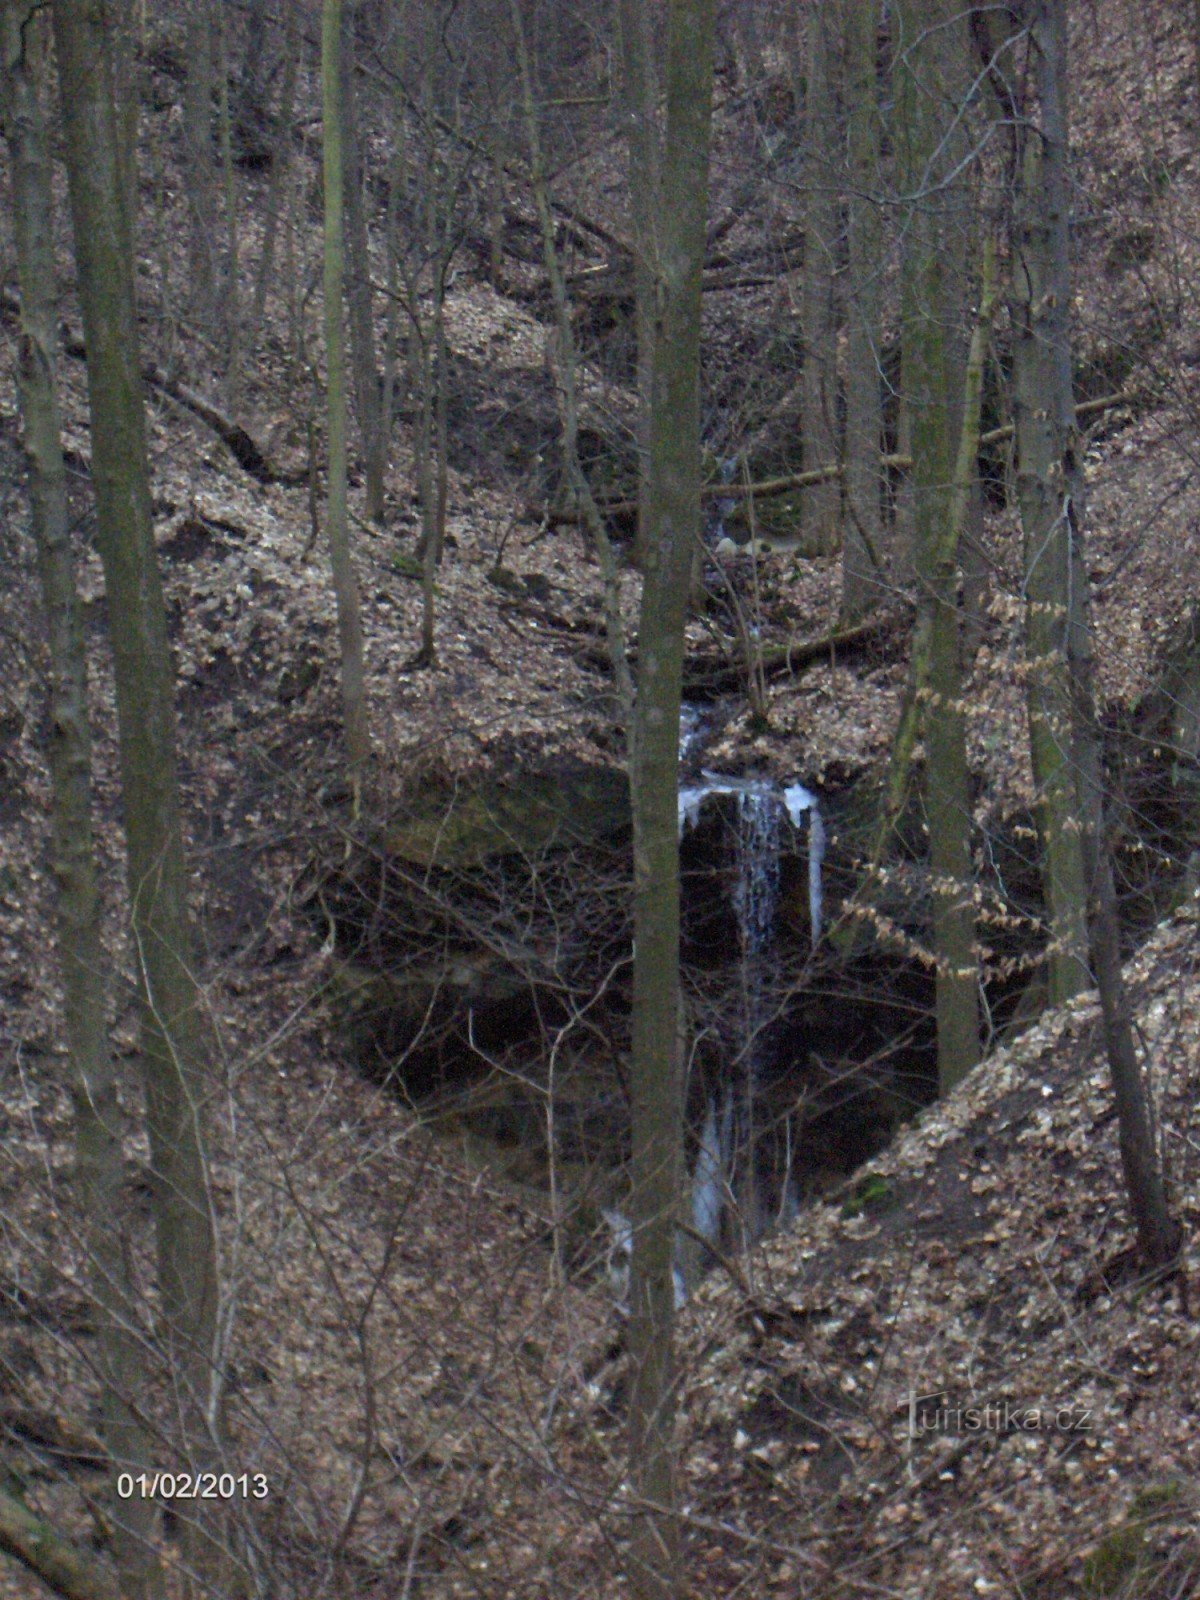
(99, 1154)
(345, 582)
(928, 82)
(1046, 439)
(1050, 476)
(673, 517)
(639, 108)
(863, 563)
(175, 1041)
(819, 387)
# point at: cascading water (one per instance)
(760, 815)
(725, 1166)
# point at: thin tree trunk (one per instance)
(863, 555)
(1159, 1234)
(933, 388)
(397, 171)
(198, 144)
(358, 292)
(99, 1174)
(345, 583)
(944, 556)
(175, 1043)
(278, 188)
(253, 120)
(567, 382)
(1045, 435)
(673, 515)
(818, 422)
(424, 465)
(1048, 441)
(441, 402)
(231, 293)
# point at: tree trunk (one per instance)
(174, 1037)
(198, 144)
(253, 120)
(673, 516)
(567, 385)
(943, 559)
(125, 23)
(1159, 1234)
(345, 583)
(932, 384)
(1051, 478)
(231, 314)
(280, 175)
(640, 102)
(99, 1155)
(819, 411)
(358, 293)
(1045, 442)
(863, 564)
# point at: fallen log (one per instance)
(64, 1567)
(708, 674)
(766, 487)
(704, 675)
(242, 445)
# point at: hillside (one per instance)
(424, 1357)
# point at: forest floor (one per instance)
(436, 1407)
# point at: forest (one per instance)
(599, 799)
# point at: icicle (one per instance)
(816, 855)
(619, 1260)
(798, 800)
(708, 1181)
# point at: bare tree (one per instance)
(1045, 428)
(360, 298)
(639, 106)
(99, 1176)
(175, 1043)
(863, 564)
(673, 516)
(1050, 481)
(819, 421)
(929, 97)
(345, 583)
(198, 144)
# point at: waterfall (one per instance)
(760, 814)
(728, 1136)
(756, 895)
(759, 801)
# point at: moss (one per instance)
(407, 566)
(1123, 1561)
(504, 578)
(871, 1194)
(572, 804)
